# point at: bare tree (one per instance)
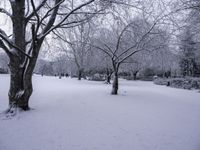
(76, 47)
(60, 66)
(136, 36)
(39, 19)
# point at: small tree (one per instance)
(134, 37)
(77, 48)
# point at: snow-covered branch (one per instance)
(4, 11)
(10, 43)
(35, 10)
(48, 28)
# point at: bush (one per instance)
(97, 77)
(147, 74)
(3, 71)
(183, 83)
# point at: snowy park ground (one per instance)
(82, 115)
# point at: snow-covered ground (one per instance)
(73, 115)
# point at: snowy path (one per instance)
(73, 115)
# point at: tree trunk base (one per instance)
(107, 83)
(13, 111)
(114, 92)
(115, 85)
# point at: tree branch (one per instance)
(7, 40)
(35, 11)
(49, 27)
(137, 44)
(120, 37)
(52, 18)
(2, 10)
(5, 48)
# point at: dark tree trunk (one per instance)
(20, 88)
(108, 75)
(108, 79)
(115, 84)
(21, 67)
(80, 74)
(20, 84)
(135, 75)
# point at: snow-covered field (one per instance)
(73, 115)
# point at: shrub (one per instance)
(183, 83)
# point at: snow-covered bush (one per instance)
(97, 77)
(147, 74)
(161, 81)
(184, 83)
(3, 71)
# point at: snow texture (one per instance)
(82, 115)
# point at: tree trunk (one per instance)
(20, 88)
(135, 75)
(115, 84)
(108, 77)
(20, 84)
(80, 74)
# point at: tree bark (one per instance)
(21, 86)
(115, 84)
(20, 89)
(80, 74)
(20, 82)
(108, 77)
(19, 94)
(134, 75)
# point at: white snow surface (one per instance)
(82, 115)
